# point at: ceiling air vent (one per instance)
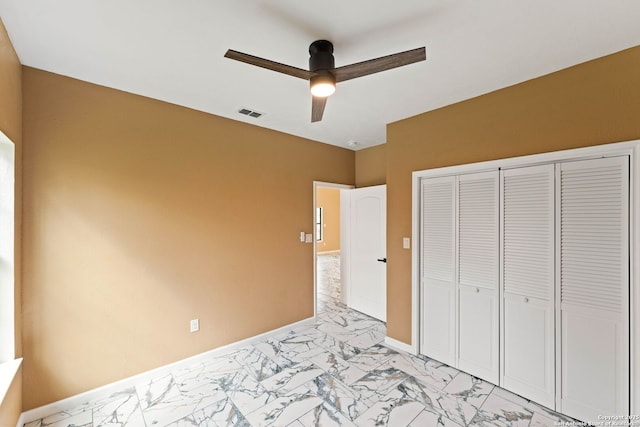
(249, 113)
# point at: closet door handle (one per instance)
(382, 260)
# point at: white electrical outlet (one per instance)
(195, 325)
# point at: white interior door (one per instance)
(593, 240)
(367, 247)
(437, 269)
(528, 282)
(478, 314)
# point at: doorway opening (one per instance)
(327, 246)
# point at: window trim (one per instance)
(7, 251)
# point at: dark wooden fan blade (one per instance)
(317, 108)
(379, 64)
(269, 65)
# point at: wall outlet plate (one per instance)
(194, 325)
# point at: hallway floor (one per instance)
(333, 372)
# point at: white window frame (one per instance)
(7, 237)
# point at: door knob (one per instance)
(382, 259)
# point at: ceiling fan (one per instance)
(322, 73)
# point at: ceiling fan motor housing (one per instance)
(321, 63)
(321, 56)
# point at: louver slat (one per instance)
(438, 229)
(528, 231)
(478, 230)
(594, 234)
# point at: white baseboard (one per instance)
(399, 345)
(79, 399)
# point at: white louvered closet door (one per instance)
(593, 200)
(437, 268)
(528, 275)
(478, 345)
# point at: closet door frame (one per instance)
(630, 148)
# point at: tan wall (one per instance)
(371, 166)
(593, 103)
(11, 125)
(329, 200)
(141, 215)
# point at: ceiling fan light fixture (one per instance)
(323, 74)
(323, 85)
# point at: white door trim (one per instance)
(316, 185)
(634, 277)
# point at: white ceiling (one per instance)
(173, 50)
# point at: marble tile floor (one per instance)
(334, 372)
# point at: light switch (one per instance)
(406, 243)
(309, 238)
(302, 236)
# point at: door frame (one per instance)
(629, 148)
(316, 185)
